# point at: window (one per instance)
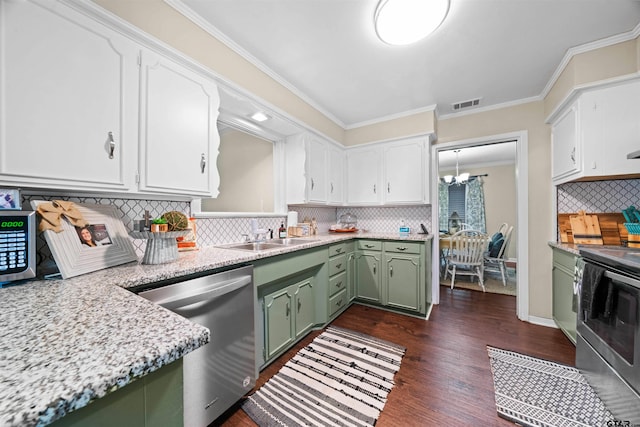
(457, 201)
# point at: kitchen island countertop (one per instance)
(67, 342)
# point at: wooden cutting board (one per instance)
(612, 227)
(586, 229)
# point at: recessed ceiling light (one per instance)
(400, 22)
(260, 116)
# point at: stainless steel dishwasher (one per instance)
(219, 373)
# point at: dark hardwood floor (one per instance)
(445, 377)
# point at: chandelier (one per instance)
(459, 178)
(400, 22)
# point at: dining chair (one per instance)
(465, 256)
(495, 259)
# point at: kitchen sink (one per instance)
(290, 241)
(252, 246)
(266, 245)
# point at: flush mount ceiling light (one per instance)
(260, 116)
(459, 178)
(400, 22)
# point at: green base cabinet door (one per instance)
(564, 301)
(305, 307)
(155, 400)
(368, 276)
(288, 314)
(403, 281)
(279, 322)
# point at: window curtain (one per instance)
(475, 214)
(443, 206)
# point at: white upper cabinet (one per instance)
(592, 138)
(84, 108)
(317, 174)
(68, 115)
(391, 173)
(313, 171)
(564, 139)
(364, 175)
(178, 135)
(336, 176)
(404, 172)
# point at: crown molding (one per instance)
(190, 14)
(392, 117)
(598, 44)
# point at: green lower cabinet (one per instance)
(392, 274)
(278, 321)
(351, 276)
(367, 266)
(150, 401)
(403, 281)
(288, 314)
(304, 299)
(564, 306)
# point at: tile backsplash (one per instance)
(598, 196)
(129, 209)
(215, 231)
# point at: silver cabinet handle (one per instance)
(338, 250)
(374, 189)
(391, 270)
(288, 310)
(339, 284)
(338, 266)
(368, 246)
(339, 302)
(299, 305)
(388, 187)
(313, 184)
(374, 269)
(112, 145)
(401, 248)
(332, 188)
(203, 163)
(573, 155)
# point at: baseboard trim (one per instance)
(542, 321)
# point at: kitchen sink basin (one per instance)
(266, 245)
(252, 246)
(291, 241)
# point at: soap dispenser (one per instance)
(282, 231)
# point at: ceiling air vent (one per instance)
(465, 104)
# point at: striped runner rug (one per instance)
(342, 378)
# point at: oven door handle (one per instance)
(624, 279)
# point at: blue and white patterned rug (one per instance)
(342, 378)
(537, 392)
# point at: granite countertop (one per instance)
(572, 248)
(66, 342)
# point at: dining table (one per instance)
(444, 245)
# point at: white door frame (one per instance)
(522, 213)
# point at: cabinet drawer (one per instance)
(402, 247)
(337, 264)
(337, 283)
(369, 245)
(337, 249)
(337, 302)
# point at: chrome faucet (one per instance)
(257, 234)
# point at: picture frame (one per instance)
(75, 255)
(10, 199)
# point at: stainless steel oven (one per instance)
(608, 341)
